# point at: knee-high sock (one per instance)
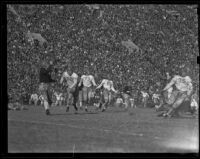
(46, 105)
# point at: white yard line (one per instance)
(78, 127)
(73, 150)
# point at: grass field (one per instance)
(112, 131)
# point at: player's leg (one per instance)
(106, 99)
(69, 98)
(90, 94)
(75, 100)
(56, 103)
(145, 101)
(126, 99)
(85, 96)
(176, 105)
(59, 102)
(101, 100)
(80, 99)
(35, 101)
(132, 102)
(43, 87)
(30, 101)
(109, 98)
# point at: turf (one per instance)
(116, 130)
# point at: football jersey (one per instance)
(155, 96)
(107, 84)
(88, 80)
(182, 83)
(144, 94)
(119, 100)
(70, 79)
(34, 97)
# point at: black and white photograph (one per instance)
(102, 78)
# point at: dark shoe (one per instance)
(104, 109)
(47, 112)
(100, 105)
(67, 109)
(165, 115)
(76, 112)
(76, 109)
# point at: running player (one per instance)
(71, 84)
(86, 94)
(107, 85)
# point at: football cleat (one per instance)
(104, 109)
(47, 112)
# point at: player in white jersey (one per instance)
(71, 84)
(41, 98)
(85, 95)
(156, 98)
(183, 88)
(107, 86)
(145, 97)
(34, 98)
(58, 98)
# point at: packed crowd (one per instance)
(100, 38)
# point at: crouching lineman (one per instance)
(72, 87)
(44, 86)
(86, 94)
(107, 85)
(34, 98)
(183, 88)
